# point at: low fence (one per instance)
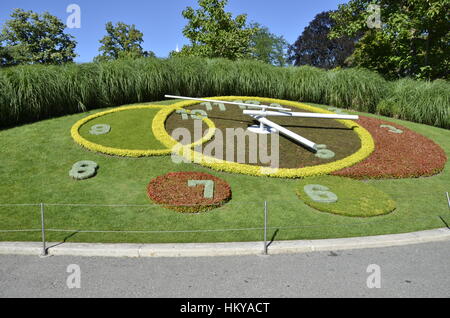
(43, 230)
(263, 226)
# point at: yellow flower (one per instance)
(130, 152)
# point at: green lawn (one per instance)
(364, 199)
(130, 130)
(36, 159)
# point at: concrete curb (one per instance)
(222, 249)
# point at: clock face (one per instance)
(340, 143)
(221, 137)
(240, 145)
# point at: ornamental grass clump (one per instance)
(128, 81)
(255, 78)
(354, 88)
(34, 92)
(419, 101)
(187, 76)
(307, 84)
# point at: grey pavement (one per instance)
(418, 270)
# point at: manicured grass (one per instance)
(36, 159)
(130, 129)
(348, 197)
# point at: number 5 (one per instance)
(392, 129)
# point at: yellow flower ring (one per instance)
(133, 152)
(159, 131)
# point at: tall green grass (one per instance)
(30, 93)
(354, 88)
(306, 83)
(34, 92)
(419, 101)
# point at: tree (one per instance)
(122, 41)
(313, 47)
(268, 47)
(5, 57)
(30, 38)
(214, 33)
(412, 39)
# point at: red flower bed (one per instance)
(404, 155)
(172, 191)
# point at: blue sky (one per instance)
(161, 20)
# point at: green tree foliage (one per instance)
(214, 33)
(313, 47)
(268, 47)
(30, 38)
(122, 41)
(413, 39)
(5, 57)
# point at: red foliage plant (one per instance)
(172, 191)
(396, 155)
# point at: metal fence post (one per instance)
(44, 249)
(265, 227)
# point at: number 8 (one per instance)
(83, 169)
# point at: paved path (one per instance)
(419, 270)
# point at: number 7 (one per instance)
(208, 192)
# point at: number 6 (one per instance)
(320, 193)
